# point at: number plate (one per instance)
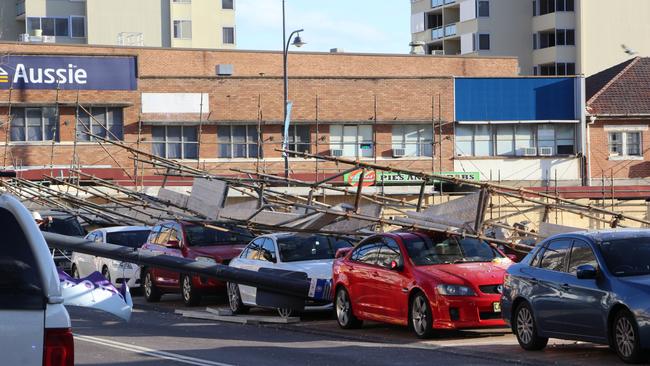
(497, 307)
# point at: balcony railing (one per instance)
(437, 33)
(20, 8)
(450, 30)
(437, 3)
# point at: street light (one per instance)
(297, 42)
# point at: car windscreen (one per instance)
(310, 247)
(132, 239)
(65, 226)
(201, 236)
(627, 257)
(425, 252)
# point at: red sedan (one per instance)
(428, 281)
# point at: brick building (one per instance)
(223, 109)
(618, 103)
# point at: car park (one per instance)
(207, 242)
(117, 272)
(35, 324)
(312, 254)
(428, 281)
(590, 286)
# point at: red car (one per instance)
(428, 281)
(218, 243)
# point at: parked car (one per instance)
(590, 286)
(426, 280)
(65, 224)
(117, 272)
(35, 324)
(214, 243)
(312, 254)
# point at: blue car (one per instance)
(591, 286)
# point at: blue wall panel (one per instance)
(515, 99)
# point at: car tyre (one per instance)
(191, 296)
(344, 314)
(234, 299)
(151, 292)
(420, 316)
(286, 313)
(525, 329)
(626, 338)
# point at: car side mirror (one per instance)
(174, 244)
(586, 272)
(342, 252)
(397, 265)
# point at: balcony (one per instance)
(20, 9)
(437, 33)
(450, 30)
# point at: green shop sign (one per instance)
(392, 178)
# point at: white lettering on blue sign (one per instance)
(70, 75)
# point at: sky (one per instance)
(374, 26)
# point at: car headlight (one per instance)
(455, 290)
(206, 260)
(122, 265)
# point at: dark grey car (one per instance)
(592, 286)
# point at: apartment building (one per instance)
(550, 37)
(149, 23)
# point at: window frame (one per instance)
(177, 24)
(565, 263)
(182, 142)
(293, 134)
(358, 143)
(624, 144)
(421, 143)
(478, 8)
(570, 262)
(248, 143)
(376, 241)
(223, 35)
(25, 126)
(68, 27)
(226, 8)
(85, 34)
(489, 42)
(107, 128)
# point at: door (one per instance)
(250, 260)
(85, 262)
(550, 296)
(361, 275)
(389, 300)
(583, 310)
(159, 243)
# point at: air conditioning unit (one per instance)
(398, 153)
(530, 151)
(337, 153)
(438, 52)
(546, 151)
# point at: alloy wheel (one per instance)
(233, 296)
(625, 337)
(342, 308)
(147, 284)
(525, 325)
(419, 315)
(187, 288)
(285, 312)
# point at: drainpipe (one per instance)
(592, 120)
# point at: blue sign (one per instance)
(68, 72)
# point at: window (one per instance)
(253, 249)
(268, 251)
(564, 5)
(102, 121)
(570, 37)
(581, 254)
(228, 35)
(515, 139)
(304, 247)
(50, 26)
(624, 143)
(415, 140)
(546, 39)
(34, 124)
(131, 238)
(227, 4)
(554, 258)
(547, 70)
(238, 141)
(367, 253)
(175, 142)
(77, 27)
(183, 29)
(483, 8)
(546, 6)
(388, 252)
(565, 37)
(352, 140)
(534, 8)
(484, 42)
(300, 138)
(534, 41)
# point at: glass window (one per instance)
(175, 142)
(352, 140)
(505, 140)
(300, 138)
(565, 135)
(570, 68)
(633, 142)
(203, 236)
(415, 140)
(34, 124)
(228, 35)
(78, 27)
(484, 42)
(626, 143)
(48, 27)
(105, 122)
(238, 141)
(570, 37)
(296, 248)
(425, 252)
(254, 249)
(464, 140)
(227, 4)
(627, 256)
(268, 251)
(388, 253)
(554, 258)
(483, 141)
(483, 8)
(546, 138)
(367, 252)
(524, 138)
(61, 27)
(132, 239)
(615, 142)
(581, 254)
(32, 24)
(183, 29)
(560, 37)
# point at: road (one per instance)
(157, 336)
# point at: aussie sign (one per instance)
(68, 72)
(393, 178)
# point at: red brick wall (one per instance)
(603, 165)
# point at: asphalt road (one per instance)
(157, 336)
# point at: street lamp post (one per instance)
(298, 42)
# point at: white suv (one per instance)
(35, 324)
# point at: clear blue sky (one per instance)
(376, 26)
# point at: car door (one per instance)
(250, 260)
(360, 277)
(583, 309)
(388, 297)
(85, 262)
(549, 297)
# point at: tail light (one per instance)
(59, 347)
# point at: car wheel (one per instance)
(191, 296)
(626, 338)
(526, 330)
(344, 315)
(151, 292)
(234, 299)
(107, 274)
(75, 272)
(286, 313)
(421, 316)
